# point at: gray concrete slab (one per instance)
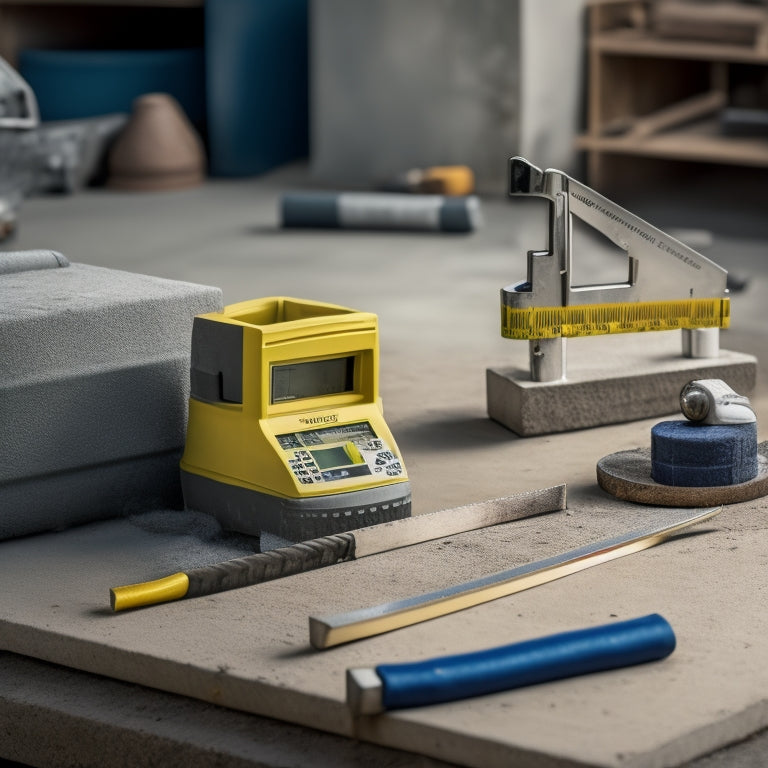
(93, 392)
(437, 300)
(248, 649)
(86, 720)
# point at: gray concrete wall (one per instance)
(552, 81)
(397, 84)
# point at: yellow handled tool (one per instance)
(328, 550)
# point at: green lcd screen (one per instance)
(331, 457)
(293, 381)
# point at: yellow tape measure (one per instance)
(597, 319)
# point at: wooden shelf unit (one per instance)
(652, 97)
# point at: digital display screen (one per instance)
(331, 457)
(294, 381)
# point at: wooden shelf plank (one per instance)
(696, 144)
(634, 42)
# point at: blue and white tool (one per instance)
(554, 657)
(715, 446)
(380, 210)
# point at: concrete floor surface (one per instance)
(437, 300)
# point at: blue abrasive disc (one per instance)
(700, 455)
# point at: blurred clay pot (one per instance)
(158, 149)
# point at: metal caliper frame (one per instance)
(660, 268)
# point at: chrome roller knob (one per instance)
(694, 402)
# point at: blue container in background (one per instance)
(75, 84)
(257, 91)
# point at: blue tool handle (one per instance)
(533, 661)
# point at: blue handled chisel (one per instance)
(371, 690)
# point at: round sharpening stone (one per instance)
(695, 455)
(627, 476)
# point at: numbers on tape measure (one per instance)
(598, 319)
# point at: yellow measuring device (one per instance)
(597, 319)
(286, 432)
(669, 286)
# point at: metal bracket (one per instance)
(660, 267)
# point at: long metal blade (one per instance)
(325, 632)
(448, 522)
(317, 553)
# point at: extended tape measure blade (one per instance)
(531, 323)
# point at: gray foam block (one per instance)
(94, 386)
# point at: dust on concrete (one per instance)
(192, 539)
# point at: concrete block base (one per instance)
(629, 385)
